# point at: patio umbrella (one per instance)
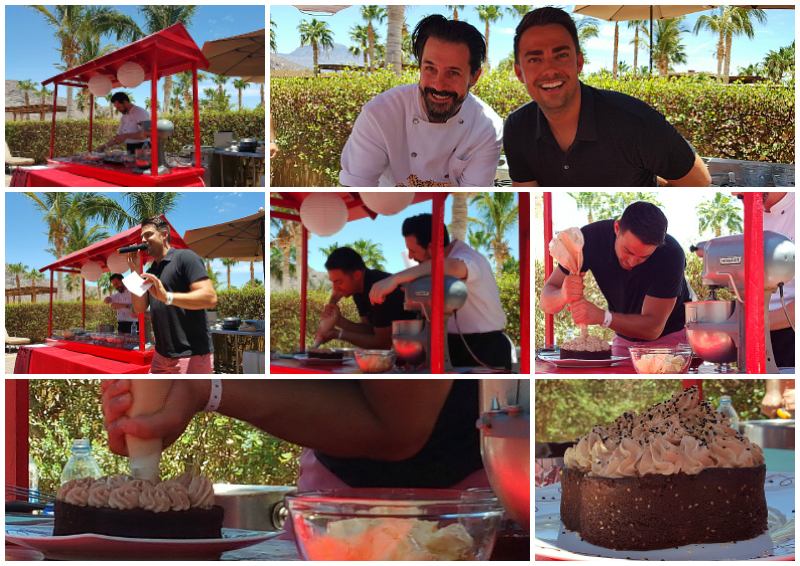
(238, 56)
(239, 240)
(625, 13)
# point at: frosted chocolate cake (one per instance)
(586, 348)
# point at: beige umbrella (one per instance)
(238, 56)
(239, 240)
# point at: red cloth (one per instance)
(56, 178)
(19, 178)
(22, 363)
(59, 361)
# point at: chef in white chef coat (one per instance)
(434, 129)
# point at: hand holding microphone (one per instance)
(134, 256)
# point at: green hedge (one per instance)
(32, 138)
(284, 315)
(29, 320)
(247, 303)
(313, 116)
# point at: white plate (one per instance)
(554, 359)
(318, 361)
(552, 540)
(101, 547)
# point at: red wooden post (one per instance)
(17, 434)
(53, 128)
(549, 333)
(91, 118)
(83, 302)
(437, 284)
(754, 283)
(50, 318)
(525, 282)
(303, 284)
(197, 157)
(153, 116)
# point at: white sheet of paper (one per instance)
(135, 284)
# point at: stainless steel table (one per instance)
(224, 152)
(236, 334)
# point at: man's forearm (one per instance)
(351, 326)
(551, 301)
(642, 326)
(195, 300)
(367, 341)
(140, 304)
(777, 318)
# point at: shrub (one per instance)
(29, 320)
(247, 303)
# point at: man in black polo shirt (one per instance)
(640, 270)
(574, 135)
(180, 293)
(351, 278)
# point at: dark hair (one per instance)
(115, 276)
(451, 31)
(645, 221)
(543, 17)
(159, 223)
(120, 97)
(346, 260)
(419, 226)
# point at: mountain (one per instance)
(339, 55)
(280, 64)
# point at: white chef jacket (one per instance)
(392, 139)
(483, 311)
(124, 315)
(781, 219)
(129, 123)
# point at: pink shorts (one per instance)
(186, 364)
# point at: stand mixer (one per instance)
(717, 329)
(410, 338)
(164, 131)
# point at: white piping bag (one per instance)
(149, 396)
(567, 249)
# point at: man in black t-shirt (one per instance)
(573, 135)
(351, 278)
(640, 271)
(178, 297)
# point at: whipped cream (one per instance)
(124, 492)
(679, 435)
(587, 344)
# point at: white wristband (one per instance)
(216, 396)
(341, 330)
(169, 298)
(607, 320)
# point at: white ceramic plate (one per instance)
(101, 547)
(552, 540)
(553, 358)
(319, 361)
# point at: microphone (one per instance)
(135, 248)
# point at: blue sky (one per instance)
(196, 210)
(386, 230)
(30, 44)
(778, 32)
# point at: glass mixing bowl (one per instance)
(674, 359)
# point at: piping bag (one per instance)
(149, 396)
(327, 323)
(567, 249)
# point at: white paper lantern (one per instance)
(91, 271)
(99, 85)
(323, 214)
(130, 74)
(117, 263)
(387, 204)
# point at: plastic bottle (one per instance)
(81, 464)
(33, 481)
(727, 410)
(570, 335)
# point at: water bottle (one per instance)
(33, 481)
(570, 335)
(135, 328)
(81, 464)
(727, 410)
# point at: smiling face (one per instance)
(417, 252)
(346, 284)
(156, 241)
(117, 283)
(629, 249)
(549, 67)
(444, 79)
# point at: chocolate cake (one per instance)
(585, 348)
(125, 507)
(675, 475)
(324, 354)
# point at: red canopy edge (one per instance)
(356, 209)
(100, 251)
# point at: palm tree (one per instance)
(35, 276)
(315, 33)
(455, 9)
(72, 24)
(27, 86)
(240, 85)
(589, 202)
(719, 213)
(776, 63)
(370, 14)
(518, 11)
(220, 81)
(636, 41)
(156, 18)
(138, 206)
(488, 14)
(752, 70)
(394, 38)
(478, 240)
(615, 66)
(81, 235)
(497, 213)
(360, 34)
(460, 213)
(371, 253)
(16, 269)
(668, 47)
(227, 262)
(714, 23)
(183, 82)
(273, 43)
(587, 29)
(740, 24)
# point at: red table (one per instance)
(50, 360)
(56, 178)
(293, 366)
(121, 176)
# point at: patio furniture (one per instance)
(15, 342)
(16, 160)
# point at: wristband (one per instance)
(273, 141)
(169, 298)
(216, 396)
(341, 330)
(607, 320)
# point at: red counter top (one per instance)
(51, 360)
(122, 176)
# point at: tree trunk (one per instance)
(458, 227)
(487, 44)
(720, 55)
(394, 39)
(615, 68)
(316, 57)
(636, 50)
(371, 36)
(728, 42)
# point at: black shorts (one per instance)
(491, 348)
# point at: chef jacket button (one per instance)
(416, 120)
(447, 176)
(566, 166)
(413, 155)
(461, 121)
